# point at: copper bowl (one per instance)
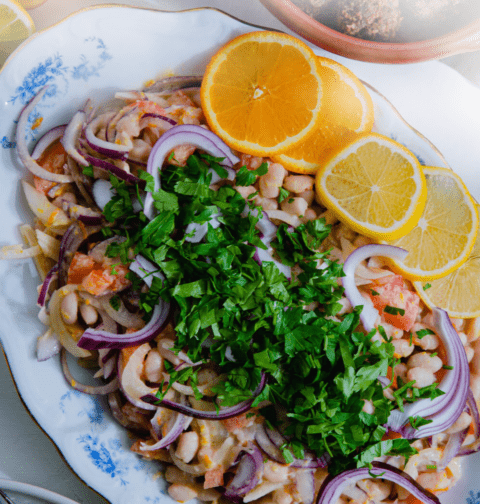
(461, 40)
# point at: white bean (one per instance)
(462, 422)
(376, 490)
(429, 480)
(187, 447)
(400, 370)
(280, 496)
(88, 313)
(309, 215)
(175, 475)
(368, 407)
(298, 183)
(245, 191)
(472, 329)
(270, 183)
(329, 216)
(423, 377)
(276, 473)
(266, 203)
(294, 206)
(475, 386)
(425, 361)
(153, 367)
(470, 353)
(308, 196)
(475, 364)
(403, 347)
(69, 308)
(181, 493)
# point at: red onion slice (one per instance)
(22, 148)
(222, 414)
(110, 387)
(146, 270)
(109, 149)
(369, 314)
(270, 443)
(473, 411)
(249, 466)
(445, 409)
(333, 487)
(47, 139)
(178, 425)
(72, 135)
(200, 230)
(52, 275)
(93, 339)
(114, 170)
(178, 135)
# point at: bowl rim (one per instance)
(464, 39)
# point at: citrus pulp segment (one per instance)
(374, 185)
(261, 92)
(458, 292)
(446, 232)
(15, 26)
(347, 111)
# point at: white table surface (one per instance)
(26, 453)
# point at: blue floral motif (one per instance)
(105, 457)
(44, 73)
(94, 413)
(474, 498)
(86, 69)
(7, 144)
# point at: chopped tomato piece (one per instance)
(396, 304)
(97, 282)
(118, 277)
(213, 478)
(237, 422)
(80, 267)
(52, 159)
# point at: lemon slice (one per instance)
(16, 25)
(459, 292)
(347, 111)
(445, 234)
(261, 92)
(374, 185)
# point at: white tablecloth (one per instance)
(428, 95)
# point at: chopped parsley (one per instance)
(424, 332)
(249, 320)
(393, 310)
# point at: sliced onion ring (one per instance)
(249, 466)
(222, 414)
(22, 148)
(369, 314)
(47, 139)
(445, 409)
(180, 135)
(93, 339)
(332, 487)
(108, 388)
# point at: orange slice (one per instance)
(347, 111)
(374, 185)
(261, 92)
(446, 232)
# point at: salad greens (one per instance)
(250, 320)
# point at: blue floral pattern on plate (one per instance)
(92, 54)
